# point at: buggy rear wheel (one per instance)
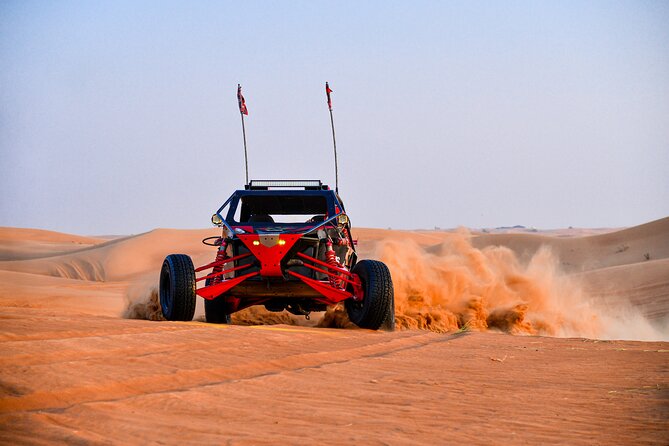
(214, 310)
(177, 288)
(377, 308)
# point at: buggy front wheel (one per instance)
(177, 288)
(377, 307)
(215, 309)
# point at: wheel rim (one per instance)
(357, 307)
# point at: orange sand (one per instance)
(72, 370)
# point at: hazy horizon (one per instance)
(120, 117)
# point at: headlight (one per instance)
(342, 219)
(216, 220)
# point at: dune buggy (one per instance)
(286, 245)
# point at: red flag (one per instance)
(327, 92)
(242, 102)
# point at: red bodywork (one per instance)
(269, 250)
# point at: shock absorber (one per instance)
(220, 256)
(331, 258)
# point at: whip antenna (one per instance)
(244, 111)
(334, 140)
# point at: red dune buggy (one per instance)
(286, 245)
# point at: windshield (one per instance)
(289, 209)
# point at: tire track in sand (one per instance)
(183, 380)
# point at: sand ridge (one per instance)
(98, 380)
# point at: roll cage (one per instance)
(236, 212)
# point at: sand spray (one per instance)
(454, 286)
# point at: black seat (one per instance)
(316, 219)
(261, 218)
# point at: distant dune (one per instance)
(73, 370)
(623, 269)
(20, 244)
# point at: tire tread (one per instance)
(378, 304)
(183, 276)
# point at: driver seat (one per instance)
(261, 218)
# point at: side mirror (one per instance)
(216, 220)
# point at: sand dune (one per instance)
(618, 268)
(119, 259)
(604, 285)
(20, 244)
(23, 290)
(643, 285)
(576, 254)
(42, 235)
(73, 371)
(529, 283)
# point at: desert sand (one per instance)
(506, 336)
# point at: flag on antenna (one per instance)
(327, 92)
(242, 103)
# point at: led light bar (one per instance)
(266, 184)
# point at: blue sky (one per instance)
(119, 117)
